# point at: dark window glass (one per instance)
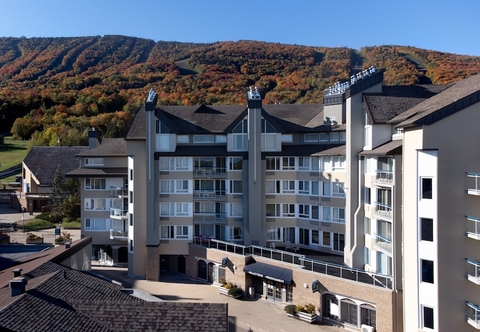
(427, 229)
(427, 271)
(428, 317)
(426, 188)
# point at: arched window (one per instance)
(368, 315)
(349, 311)
(202, 270)
(330, 306)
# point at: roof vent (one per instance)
(17, 272)
(17, 285)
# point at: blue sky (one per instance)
(441, 25)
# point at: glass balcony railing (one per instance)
(473, 315)
(383, 243)
(118, 235)
(205, 217)
(473, 185)
(209, 171)
(118, 192)
(473, 271)
(118, 213)
(473, 228)
(384, 177)
(383, 210)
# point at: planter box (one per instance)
(306, 317)
(36, 241)
(224, 291)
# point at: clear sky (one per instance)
(441, 25)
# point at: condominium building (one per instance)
(383, 178)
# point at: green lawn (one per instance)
(11, 153)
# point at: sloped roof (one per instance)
(219, 119)
(453, 99)
(43, 161)
(394, 100)
(109, 147)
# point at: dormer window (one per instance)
(160, 128)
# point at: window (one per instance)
(343, 136)
(96, 224)
(315, 237)
(304, 236)
(288, 210)
(174, 232)
(286, 138)
(236, 210)
(367, 225)
(98, 204)
(327, 216)
(303, 211)
(427, 271)
(273, 234)
(304, 187)
(288, 163)
(183, 139)
(131, 245)
(239, 133)
(428, 317)
(93, 161)
(236, 233)
(368, 315)
(204, 208)
(130, 219)
(338, 215)
(202, 139)
(326, 163)
(181, 186)
(236, 187)
(427, 229)
(289, 234)
(220, 139)
(272, 187)
(160, 128)
(304, 163)
(338, 189)
(366, 255)
(130, 196)
(95, 184)
(288, 187)
(174, 163)
(311, 138)
(338, 163)
(338, 242)
(334, 137)
(315, 215)
(273, 210)
(349, 311)
(315, 188)
(272, 163)
(326, 188)
(235, 163)
(174, 209)
(323, 137)
(384, 229)
(427, 188)
(326, 239)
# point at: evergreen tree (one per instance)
(59, 188)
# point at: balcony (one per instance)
(473, 271)
(383, 243)
(473, 228)
(473, 315)
(118, 192)
(209, 172)
(219, 217)
(473, 187)
(384, 177)
(118, 213)
(383, 210)
(118, 235)
(208, 194)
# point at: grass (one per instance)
(12, 153)
(35, 225)
(71, 225)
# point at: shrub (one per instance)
(31, 236)
(223, 281)
(310, 308)
(235, 291)
(43, 216)
(290, 309)
(37, 224)
(228, 285)
(300, 308)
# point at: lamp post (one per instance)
(23, 219)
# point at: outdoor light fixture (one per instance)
(224, 260)
(315, 286)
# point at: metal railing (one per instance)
(209, 171)
(473, 228)
(383, 243)
(472, 183)
(118, 192)
(116, 234)
(330, 269)
(383, 210)
(118, 212)
(384, 176)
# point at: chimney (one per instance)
(17, 285)
(17, 272)
(93, 138)
(151, 101)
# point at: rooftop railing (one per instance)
(330, 269)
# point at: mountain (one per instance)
(58, 87)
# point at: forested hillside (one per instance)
(56, 88)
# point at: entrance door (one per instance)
(274, 291)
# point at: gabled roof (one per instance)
(220, 119)
(456, 98)
(43, 161)
(394, 100)
(110, 147)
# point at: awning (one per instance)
(389, 148)
(271, 272)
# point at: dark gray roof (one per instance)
(98, 172)
(220, 119)
(389, 148)
(43, 161)
(394, 100)
(108, 147)
(58, 298)
(457, 97)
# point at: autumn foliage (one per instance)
(54, 89)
